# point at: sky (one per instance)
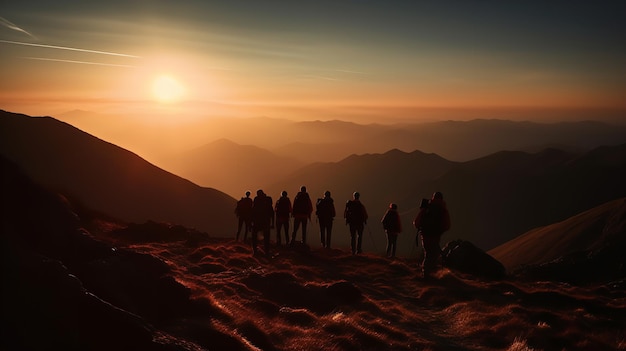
(341, 59)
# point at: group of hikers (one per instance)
(261, 214)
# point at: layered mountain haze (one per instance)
(107, 178)
(162, 137)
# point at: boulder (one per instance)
(465, 257)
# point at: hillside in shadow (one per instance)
(108, 178)
(587, 247)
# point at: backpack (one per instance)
(432, 220)
(354, 212)
(323, 208)
(282, 207)
(388, 220)
(244, 207)
(300, 204)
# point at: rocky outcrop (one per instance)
(465, 257)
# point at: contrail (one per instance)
(81, 62)
(5, 22)
(320, 77)
(349, 71)
(68, 48)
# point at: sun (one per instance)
(167, 89)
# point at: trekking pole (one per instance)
(371, 237)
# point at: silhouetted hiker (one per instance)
(393, 226)
(243, 211)
(262, 220)
(325, 211)
(431, 222)
(356, 217)
(283, 212)
(302, 209)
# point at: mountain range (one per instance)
(492, 199)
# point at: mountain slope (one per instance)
(107, 178)
(592, 230)
(231, 167)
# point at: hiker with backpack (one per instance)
(356, 218)
(431, 222)
(325, 211)
(392, 226)
(283, 212)
(262, 221)
(243, 211)
(302, 209)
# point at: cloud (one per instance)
(8, 24)
(69, 48)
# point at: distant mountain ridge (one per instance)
(323, 141)
(491, 199)
(107, 178)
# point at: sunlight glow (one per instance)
(167, 89)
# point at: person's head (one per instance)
(356, 195)
(393, 206)
(437, 195)
(248, 193)
(284, 193)
(327, 193)
(303, 189)
(424, 203)
(260, 192)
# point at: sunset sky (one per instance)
(373, 60)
